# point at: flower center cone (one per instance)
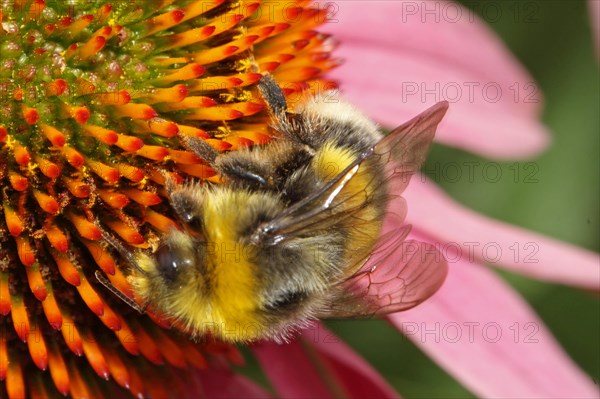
(96, 98)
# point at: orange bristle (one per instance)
(168, 349)
(67, 270)
(120, 97)
(31, 115)
(105, 172)
(167, 95)
(25, 251)
(36, 282)
(196, 8)
(118, 370)
(51, 309)
(106, 136)
(18, 182)
(184, 157)
(238, 142)
(126, 232)
(56, 87)
(142, 197)
(153, 152)
(13, 221)
(58, 368)
(90, 296)
(190, 71)
(21, 155)
(162, 127)
(71, 334)
(73, 157)
(126, 338)
(147, 345)
(56, 236)
(201, 171)
(53, 135)
(160, 222)
(91, 47)
(129, 143)
(86, 228)
(78, 388)
(110, 319)
(78, 188)
(18, 313)
(75, 27)
(4, 301)
(81, 114)
(190, 103)
(112, 198)
(186, 38)
(35, 10)
(3, 359)
(101, 257)
(46, 202)
(37, 346)
(192, 131)
(15, 383)
(163, 21)
(48, 168)
(135, 111)
(226, 111)
(131, 172)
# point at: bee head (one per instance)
(216, 280)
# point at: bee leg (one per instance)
(180, 200)
(238, 170)
(132, 261)
(103, 280)
(200, 147)
(273, 95)
(113, 242)
(293, 126)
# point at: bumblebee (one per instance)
(295, 231)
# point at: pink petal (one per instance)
(290, 371)
(222, 383)
(465, 234)
(444, 31)
(485, 335)
(319, 365)
(396, 64)
(359, 377)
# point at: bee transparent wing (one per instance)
(407, 145)
(398, 275)
(402, 151)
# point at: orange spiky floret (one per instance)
(96, 98)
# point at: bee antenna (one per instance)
(272, 94)
(122, 251)
(119, 293)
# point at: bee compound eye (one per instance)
(170, 262)
(194, 222)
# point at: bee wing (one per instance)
(398, 275)
(402, 151)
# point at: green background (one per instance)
(553, 40)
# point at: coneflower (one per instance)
(96, 97)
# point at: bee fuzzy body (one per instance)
(270, 249)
